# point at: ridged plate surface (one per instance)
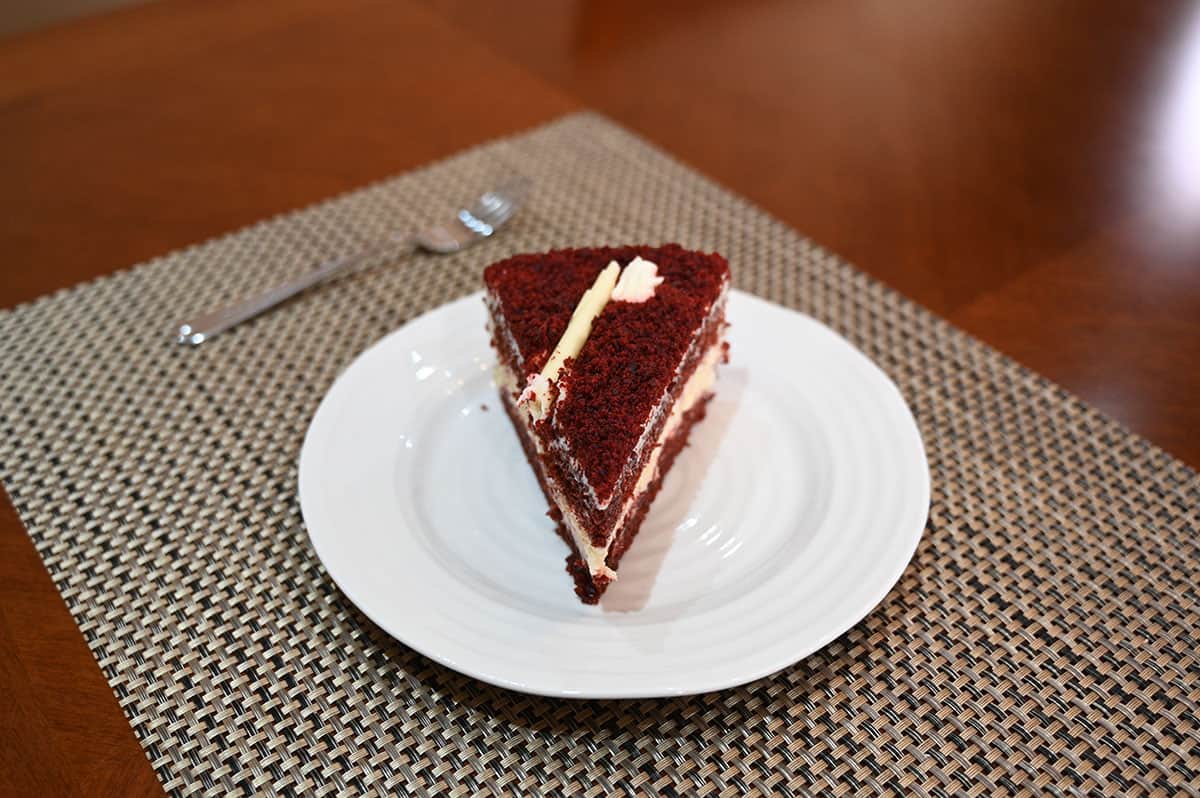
(791, 514)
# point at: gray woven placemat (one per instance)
(1044, 637)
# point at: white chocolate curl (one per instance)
(537, 391)
(637, 282)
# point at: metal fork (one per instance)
(469, 226)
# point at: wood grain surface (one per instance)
(1030, 171)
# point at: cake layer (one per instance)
(590, 588)
(562, 465)
(593, 544)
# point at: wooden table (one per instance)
(1030, 171)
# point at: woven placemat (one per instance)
(1044, 637)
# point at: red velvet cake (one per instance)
(607, 358)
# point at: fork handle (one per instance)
(205, 326)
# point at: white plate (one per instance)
(792, 513)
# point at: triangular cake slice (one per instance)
(607, 359)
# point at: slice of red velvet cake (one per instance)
(607, 360)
